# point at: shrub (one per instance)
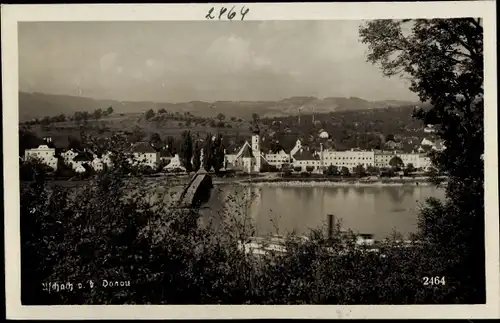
(115, 227)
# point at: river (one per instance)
(365, 209)
(377, 210)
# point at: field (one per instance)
(133, 121)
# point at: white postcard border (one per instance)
(12, 14)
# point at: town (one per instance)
(304, 161)
(250, 157)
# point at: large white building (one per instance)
(44, 153)
(278, 159)
(348, 158)
(300, 156)
(304, 159)
(145, 155)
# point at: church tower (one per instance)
(256, 150)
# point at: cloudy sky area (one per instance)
(202, 60)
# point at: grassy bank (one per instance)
(326, 181)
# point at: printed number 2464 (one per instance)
(434, 281)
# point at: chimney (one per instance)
(331, 218)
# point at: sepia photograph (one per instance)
(235, 159)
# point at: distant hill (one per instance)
(33, 105)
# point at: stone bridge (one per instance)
(197, 191)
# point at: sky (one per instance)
(182, 61)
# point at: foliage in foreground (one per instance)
(105, 230)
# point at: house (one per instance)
(390, 144)
(439, 145)
(409, 158)
(324, 135)
(423, 162)
(145, 155)
(99, 161)
(175, 163)
(69, 155)
(165, 156)
(305, 158)
(97, 164)
(296, 148)
(44, 153)
(278, 158)
(424, 149)
(348, 158)
(426, 142)
(429, 128)
(82, 160)
(382, 158)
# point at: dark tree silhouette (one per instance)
(196, 156)
(444, 61)
(149, 114)
(187, 150)
(396, 163)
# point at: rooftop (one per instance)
(83, 156)
(247, 152)
(143, 147)
(305, 154)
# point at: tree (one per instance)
(149, 114)
(85, 116)
(46, 120)
(61, 118)
(97, 114)
(64, 170)
(372, 170)
(344, 171)
(162, 111)
(218, 153)
(359, 170)
(221, 117)
(187, 150)
(396, 162)
(410, 168)
(309, 169)
(137, 134)
(109, 110)
(27, 140)
(74, 143)
(331, 170)
(155, 138)
(208, 153)
(443, 58)
(196, 156)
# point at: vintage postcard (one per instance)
(218, 160)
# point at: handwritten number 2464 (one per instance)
(230, 14)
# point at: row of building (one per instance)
(143, 154)
(250, 158)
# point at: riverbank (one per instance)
(326, 182)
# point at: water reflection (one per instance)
(376, 210)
